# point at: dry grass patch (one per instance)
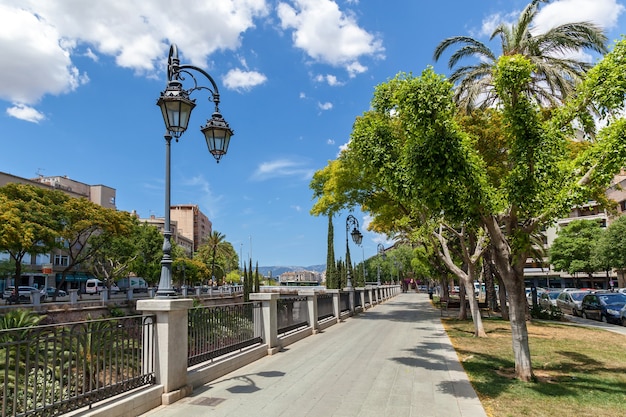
(579, 371)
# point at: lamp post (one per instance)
(380, 249)
(176, 107)
(357, 237)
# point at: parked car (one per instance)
(603, 306)
(622, 315)
(529, 294)
(569, 301)
(114, 288)
(548, 298)
(23, 295)
(51, 290)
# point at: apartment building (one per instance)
(43, 270)
(300, 278)
(541, 274)
(192, 223)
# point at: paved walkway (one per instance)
(395, 360)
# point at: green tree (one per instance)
(114, 254)
(557, 66)
(149, 249)
(30, 221)
(574, 248)
(611, 249)
(331, 270)
(429, 171)
(257, 280)
(83, 220)
(216, 248)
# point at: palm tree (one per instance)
(556, 73)
(215, 246)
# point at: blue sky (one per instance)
(79, 81)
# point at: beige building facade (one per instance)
(192, 223)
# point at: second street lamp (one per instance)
(357, 238)
(176, 106)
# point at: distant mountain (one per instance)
(277, 270)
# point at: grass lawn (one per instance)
(580, 371)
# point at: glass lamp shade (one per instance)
(357, 237)
(217, 134)
(176, 107)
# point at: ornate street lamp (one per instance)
(381, 253)
(357, 238)
(176, 106)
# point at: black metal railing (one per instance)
(325, 307)
(53, 369)
(218, 330)
(344, 302)
(293, 314)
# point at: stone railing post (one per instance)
(129, 294)
(336, 309)
(73, 296)
(311, 301)
(361, 292)
(35, 299)
(270, 319)
(198, 290)
(104, 296)
(171, 344)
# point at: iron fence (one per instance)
(325, 308)
(344, 302)
(53, 369)
(293, 314)
(217, 330)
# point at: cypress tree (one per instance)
(246, 287)
(332, 279)
(257, 281)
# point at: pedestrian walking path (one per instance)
(394, 360)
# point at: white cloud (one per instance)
(330, 142)
(604, 13)
(296, 207)
(27, 113)
(329, 79)
(237, 79)
(282, 168)
(601, 12)
(319, 23)
(325, 106)
(342, 148)
(38, 34)
(491, 22)
(302, 95)
(28, 45)
(199, 190)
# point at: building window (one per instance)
(61, 260)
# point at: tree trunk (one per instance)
(462, 303)
(519, 331)
(479, 329)
(513, 277)
(504, 306)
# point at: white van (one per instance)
(94, 286)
